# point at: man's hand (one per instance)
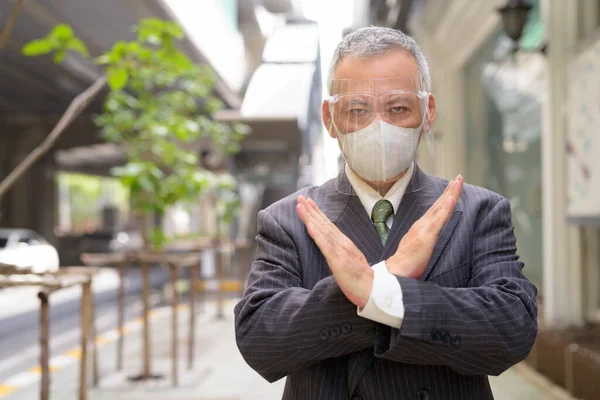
(415, 248)
(348, 265)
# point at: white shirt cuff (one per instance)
(385, 303)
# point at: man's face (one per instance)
(380, 78)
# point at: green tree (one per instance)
(158, 108)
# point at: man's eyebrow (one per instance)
(357, 101)
(398, 99)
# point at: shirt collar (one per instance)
(369, 196)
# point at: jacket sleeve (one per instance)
(482, 329)
(282, 327)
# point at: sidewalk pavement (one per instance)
(220, 372)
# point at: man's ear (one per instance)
(326, 115)
(431, 110)
(431, 114)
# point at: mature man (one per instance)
(386, 282)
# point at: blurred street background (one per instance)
(517, 84)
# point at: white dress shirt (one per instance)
(385, 303)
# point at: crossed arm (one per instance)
(280, 325)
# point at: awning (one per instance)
(96, 160)
(276, 106)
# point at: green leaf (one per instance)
(117, 78)
(78, 46)
(37, 47)
(103, 59)
(174, 30)
(63, 32)
(160, 130)
(145, 183)
(181, 60)
(158, 239)
(59, 56)
(189, 158)
(117, 52)
(213, 105)
(129, 169)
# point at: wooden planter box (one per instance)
(571, 359)
(583, 366)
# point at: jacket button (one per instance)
(346, 328)
(456, 340)
(335, 331)
(436, 335)
(423, 395)
(324, 334)
(445, 336)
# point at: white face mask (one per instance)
(380, 151)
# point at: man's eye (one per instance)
(398, 109)
(358, 111)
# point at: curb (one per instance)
(542, 383)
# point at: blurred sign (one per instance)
(583, 142)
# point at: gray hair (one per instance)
(372, 41)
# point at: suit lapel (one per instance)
(356, 224)
(343, 207)
(409, 211)
(443, 239)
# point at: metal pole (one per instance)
(44, 350)
(121, 316)
(85, 327)
(192, 327)
(92, 316)
(146, 311)
(220, 261)
(174, 334)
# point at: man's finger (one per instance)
(310, 209)
(328, 233)
(453, 188)
(315, 229)
(306, 214)
(439, 199)
(457, 189)
(303, 213)
(441, 218)
(331, 232)
(320, 213)
(435, 208)
(320, 218)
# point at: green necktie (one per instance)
(382, 210)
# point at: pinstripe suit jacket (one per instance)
(471, 314)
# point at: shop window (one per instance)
(503, 119)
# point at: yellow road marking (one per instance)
(74, 353)
(38, 370)
(6, 389)
(101, 341)
(224, 285)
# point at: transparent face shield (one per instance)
(379, 124)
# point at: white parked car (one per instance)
(26, 248)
